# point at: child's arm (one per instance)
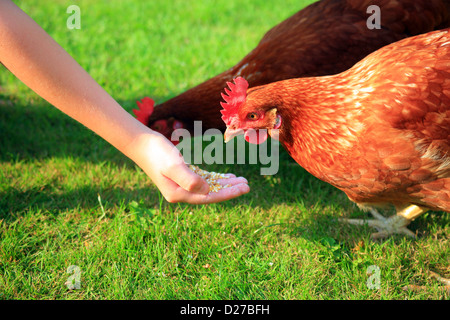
(39, 62)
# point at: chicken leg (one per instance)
(394, 224)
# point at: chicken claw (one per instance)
(385, 226)
(394, 224)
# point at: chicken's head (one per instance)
(243, 113)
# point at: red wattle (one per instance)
(256, 136)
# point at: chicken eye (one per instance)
(252, 116)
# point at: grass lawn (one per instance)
(67, 198)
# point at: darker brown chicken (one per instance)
(326, 37)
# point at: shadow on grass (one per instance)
(326, 227)
(40, 131)
(14, 202)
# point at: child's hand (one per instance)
(163, 163)
(36, 59)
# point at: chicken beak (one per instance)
(231, 133)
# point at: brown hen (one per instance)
(379, 131)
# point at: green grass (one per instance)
(68, 198)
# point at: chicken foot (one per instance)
(395, 224)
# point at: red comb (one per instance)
(145, 110)
(234, 98)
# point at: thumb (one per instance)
(189, 180)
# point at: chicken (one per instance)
(324, 38)
(379, 131)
